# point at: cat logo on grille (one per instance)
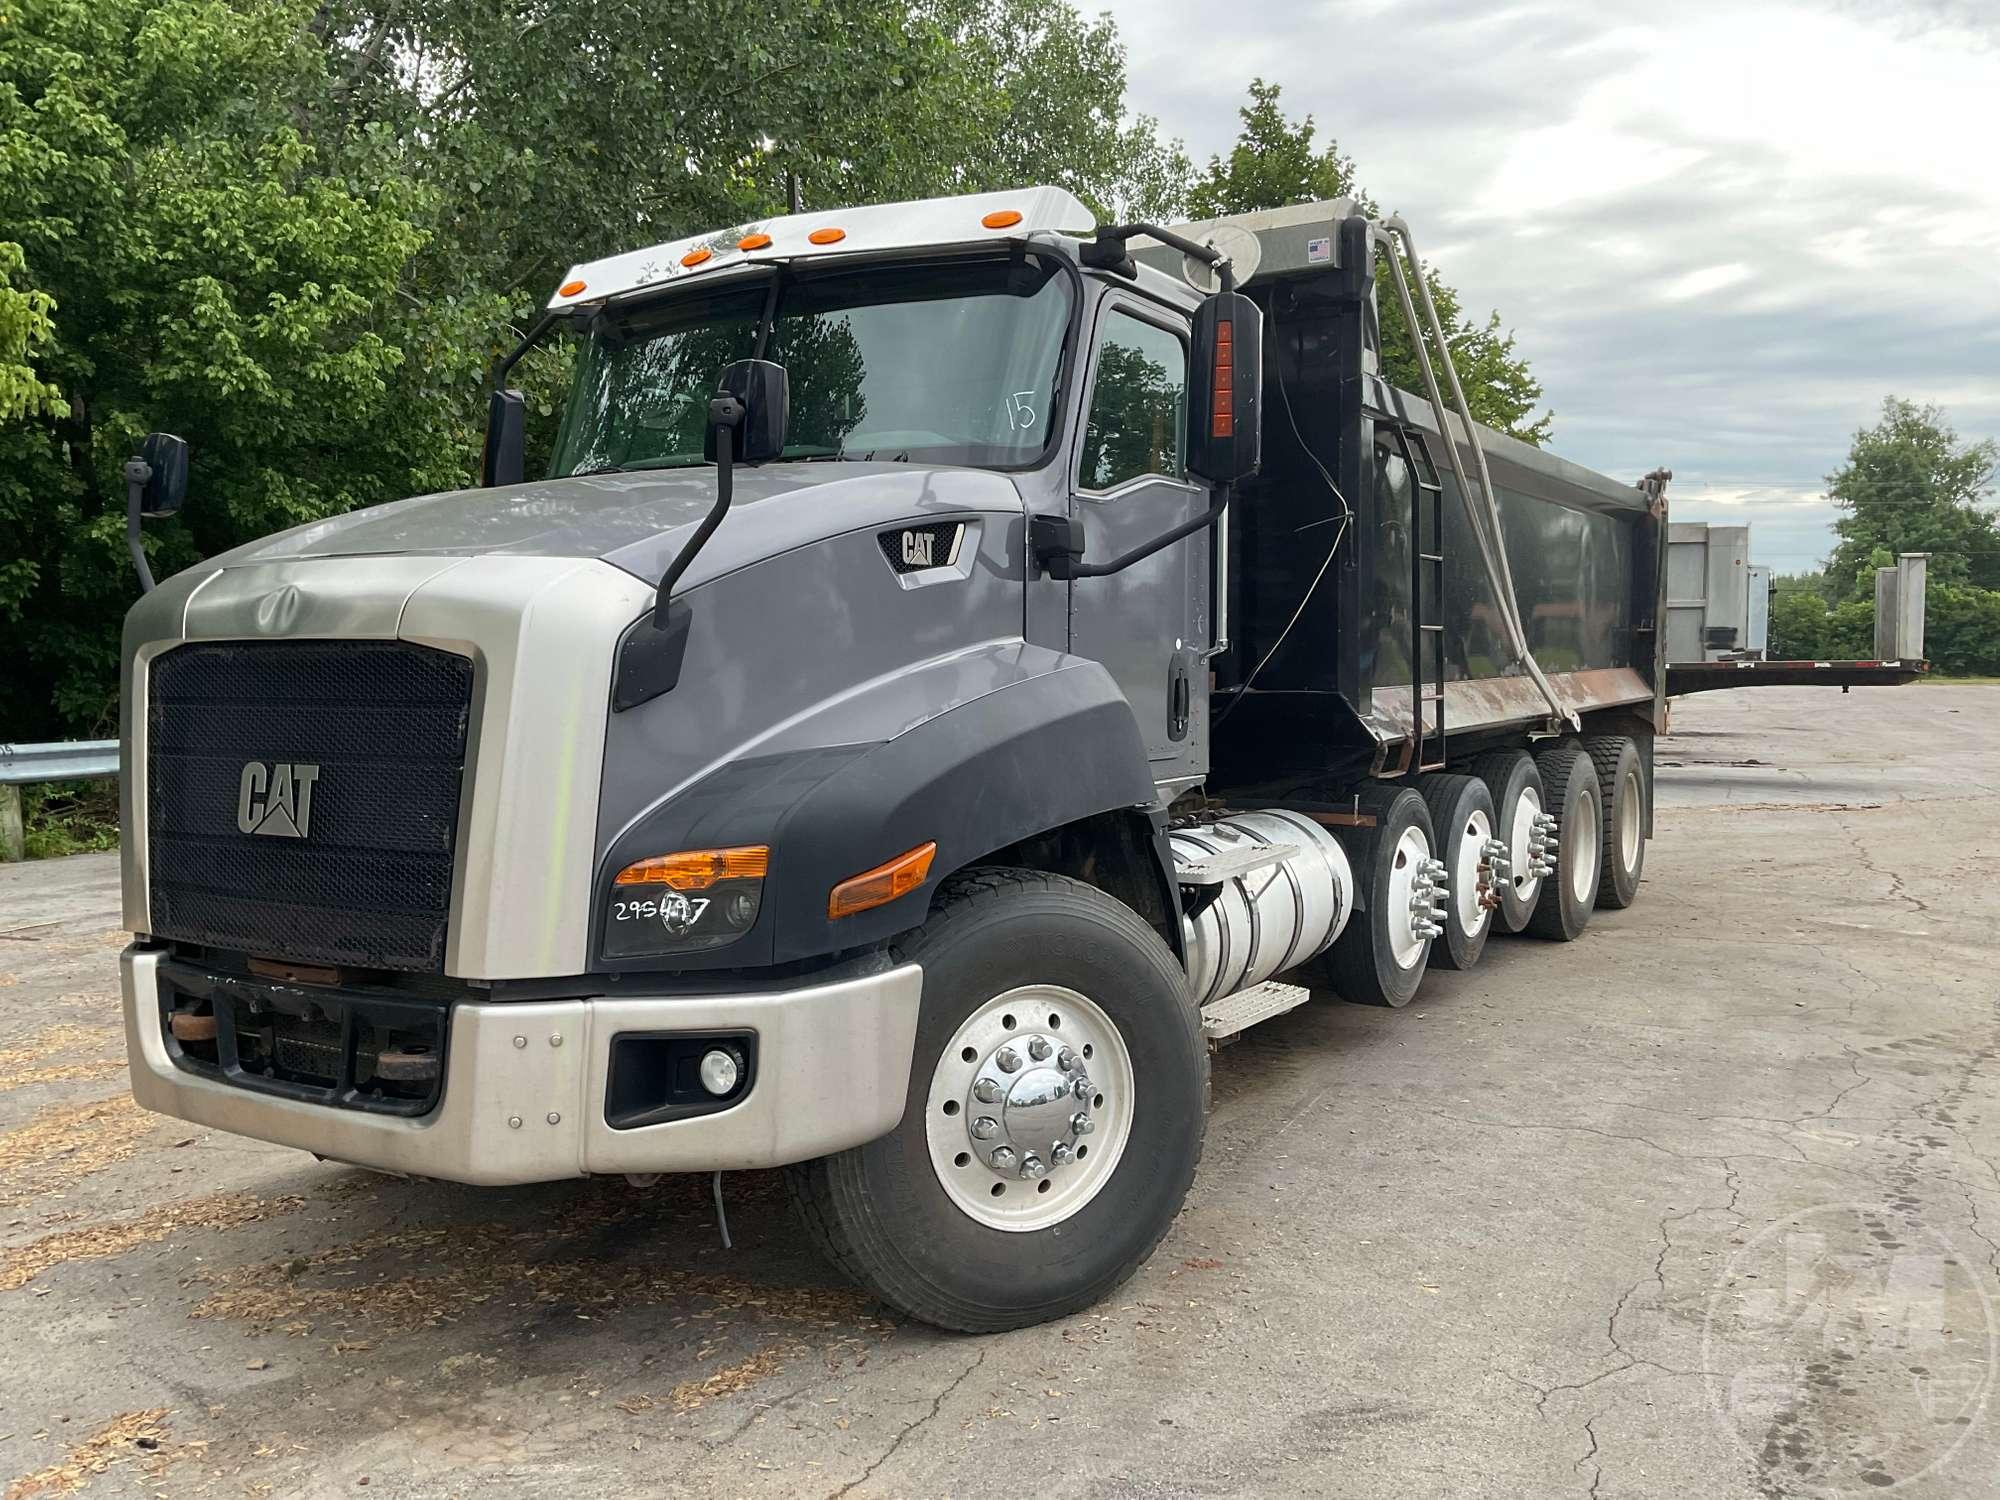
(276, 799)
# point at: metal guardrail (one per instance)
(63, 760)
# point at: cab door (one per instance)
(1149, 624)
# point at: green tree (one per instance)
(1275, 163)
(1798, 626)
(200, 267)
(1910, 485)
(298, 233)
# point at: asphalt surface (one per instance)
(1704, 1204)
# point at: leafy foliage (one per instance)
(1274, 163)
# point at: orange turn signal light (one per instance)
(1002, 218)
(571, 288)
(827, 236)
(699, 869)
(696, 256)
(881, 885)
(759, 241)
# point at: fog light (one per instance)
(719, 1072)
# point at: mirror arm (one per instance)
(138, 474)
(535, 334)
(1073, 565)
(725, 415)
(1119, 233)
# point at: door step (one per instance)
(1237, 1013)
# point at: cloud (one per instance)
(1723, 230)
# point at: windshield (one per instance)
(947, 364)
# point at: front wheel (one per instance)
(1057, 1100)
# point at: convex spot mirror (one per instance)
(1225, 405)
(165, 487)
(765, 391)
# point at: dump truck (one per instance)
(962, 663)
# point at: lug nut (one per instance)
(1081, 1123)
(1060, 1155)
(1009, 1060)
(985, 1128)
(1066, 1060)
(1039, 1048)
(1002, 1158)
(1032, 1166)
(986, 1091)
(1080, 1086)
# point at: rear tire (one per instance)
(1377, 959)
(1461, 811)
(1563, 909)
(1033, 964)
(1621, 784)
(1516, 785)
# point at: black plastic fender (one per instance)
(1028, 757)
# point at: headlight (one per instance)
(682, 903)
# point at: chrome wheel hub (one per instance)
(1030, 1107)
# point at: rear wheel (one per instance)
(1057, 1099)
(1380, 955)
(1462, 813)
(1563, 909)
(1621, 784)
(1516, 785)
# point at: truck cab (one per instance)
(812, 768)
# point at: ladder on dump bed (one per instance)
(1482, 506)
(1428, 749)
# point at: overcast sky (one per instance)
(1722, 231)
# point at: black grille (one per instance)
(908, 547)
(370, 883)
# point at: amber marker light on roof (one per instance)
(754, 242)
(696, 256)
(827, 236)
(698, 869)
(571, 288)
(881, 885)
(1002, 218)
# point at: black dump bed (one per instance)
(1330, 550)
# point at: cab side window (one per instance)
(1138, 408)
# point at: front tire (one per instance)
(1044, 999)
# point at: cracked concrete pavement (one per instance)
(1706, 1204)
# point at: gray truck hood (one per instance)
(639, 521)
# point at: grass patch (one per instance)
(69, 817)
(1974, 681)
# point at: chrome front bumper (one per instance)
(833, 1070)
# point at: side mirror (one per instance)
(503, 462)
(766, 394)
(165, 487)
(1225, 407)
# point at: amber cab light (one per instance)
(698, 869)
(572, 288)
(696, 256)
(827, 236)
(881, 885)
(1002, 218)
(758, 241)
